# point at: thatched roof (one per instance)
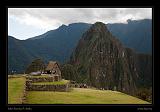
(52, 65)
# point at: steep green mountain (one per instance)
(58, 44)
(104, 62)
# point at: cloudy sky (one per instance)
(25, 23)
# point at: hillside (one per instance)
(18, 55)
(58, 44)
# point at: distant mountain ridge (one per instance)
(136, 34)
(58, 44)
(63, 28)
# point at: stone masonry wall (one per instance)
(40, 79)
(60, 88)
(24, 94)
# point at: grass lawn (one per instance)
(15, 90)
(62, 82)
(82, 96)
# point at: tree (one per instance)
(36, 65)
(69, 72)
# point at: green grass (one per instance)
(62, 82)
(82, 96)
(15, 90)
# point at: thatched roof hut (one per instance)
(53, 68)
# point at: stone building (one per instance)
(53, 69)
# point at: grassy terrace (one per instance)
(62, 82)
(41, 76)
(76, 96)
(15, 90)
(82, 96)
(16, 76)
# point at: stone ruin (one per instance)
(44, 87)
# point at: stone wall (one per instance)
(32, 87)
(60, 88)
(40, 79)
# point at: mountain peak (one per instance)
(63, 26)
(97, 30)
(99, 27)
(99, 23)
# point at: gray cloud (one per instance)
(54, 17)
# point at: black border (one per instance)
(119, 107)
